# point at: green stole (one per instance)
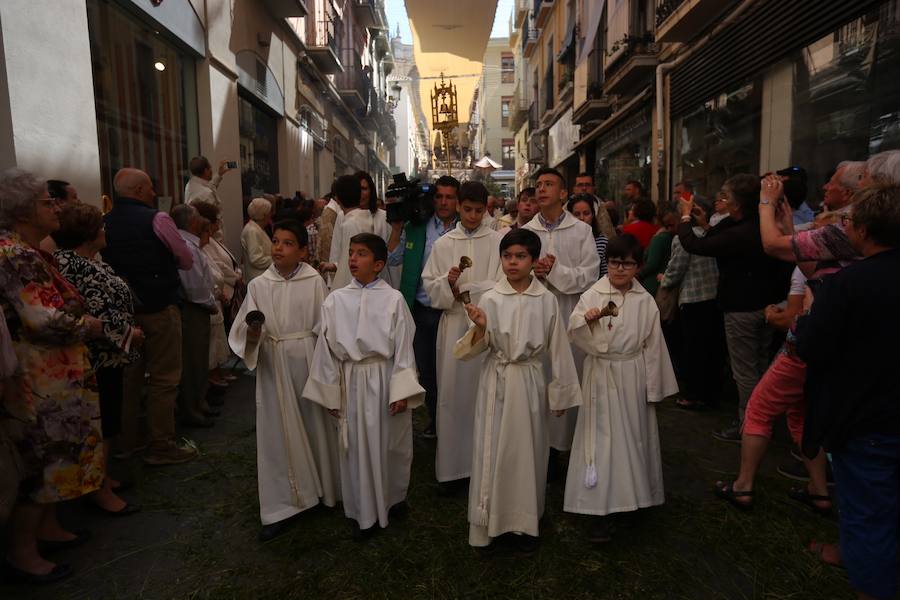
(412, 262)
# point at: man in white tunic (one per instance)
(364, 372)
(445, 281)
(569, 265)
(615, 464)
(297, 442)
(519, 325)
(355, 220)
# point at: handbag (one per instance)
(667, 301)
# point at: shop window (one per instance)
(846, 100)
(507, 68)
(719, 139)
(145, 96)
(259, 150)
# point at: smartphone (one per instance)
(686, 196)
(231, 164)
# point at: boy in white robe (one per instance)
(364, 373)
(615, 464)
(297, 444)
(445, 282)
(519, 324)
(568, 267)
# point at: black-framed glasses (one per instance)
(622, 265)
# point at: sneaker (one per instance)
(126, 453)
(732, 435)
(170, 454)
(430, 432)
(526, 544)
(273, 530)
(793, 470)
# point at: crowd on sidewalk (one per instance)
(540, 338)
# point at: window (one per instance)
(259, 149)
(145, 94)
(507, 67)
(509, 154)
(505, 103)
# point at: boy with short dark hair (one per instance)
(297, 450)
(518, 322)
(615, 464)
(463, 262)
(364, 373)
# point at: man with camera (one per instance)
(203, 186)
(410, 245)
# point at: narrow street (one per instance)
(197, 536)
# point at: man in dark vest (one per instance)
(410, 245)
(144, 248)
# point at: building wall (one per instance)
(47, 112)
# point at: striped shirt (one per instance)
(601, 241)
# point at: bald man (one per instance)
(144, 247)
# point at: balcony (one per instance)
(282, 9)
(533, 121)
(518, 115)
(368, 13)
(542, 10)
(521, 15)
(548, 93)
(529, 41)
(634, 68)
(682, 20)
(353, 83)
(323, 48)
(596, 108)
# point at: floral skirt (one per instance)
(58, 409)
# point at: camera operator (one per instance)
(410, 245)
(203, 186)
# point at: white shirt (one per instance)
(197, 283)
(201, 190)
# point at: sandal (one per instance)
(802, 495)
(818, 549)
(726, 492)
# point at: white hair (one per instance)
(183, 214)
(259, 209)
(853, 172)
(18, 191)
(884, 167)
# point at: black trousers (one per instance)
(703, 362)
(425, 350)
(111, 390)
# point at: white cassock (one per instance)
(457, 381)
(296, 440)
(364, 363)
(512, 439)
(353, 222)
(577, 267)
(615, 464)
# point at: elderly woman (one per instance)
(227, 280)
(255, 242)
(55, 402)
(749, 281)
(80, 238)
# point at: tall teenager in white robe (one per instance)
(363, 363)
(514, 400)
(615, 464)
(356, 221)
(577, 267)
(458, 381)
(296, 440)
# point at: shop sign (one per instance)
(629, 130)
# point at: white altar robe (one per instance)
(353, 222)
(512, 438)
(296, 440)
(457, 381)
(577, 267)
(363, 363)
(615, 464)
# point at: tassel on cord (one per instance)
(590, 476)
(481, 513)
(345, 434)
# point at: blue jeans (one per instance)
(867, 474)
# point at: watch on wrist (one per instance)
(764, 201)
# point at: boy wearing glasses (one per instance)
(615, 465)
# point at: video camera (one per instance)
(410, 201)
